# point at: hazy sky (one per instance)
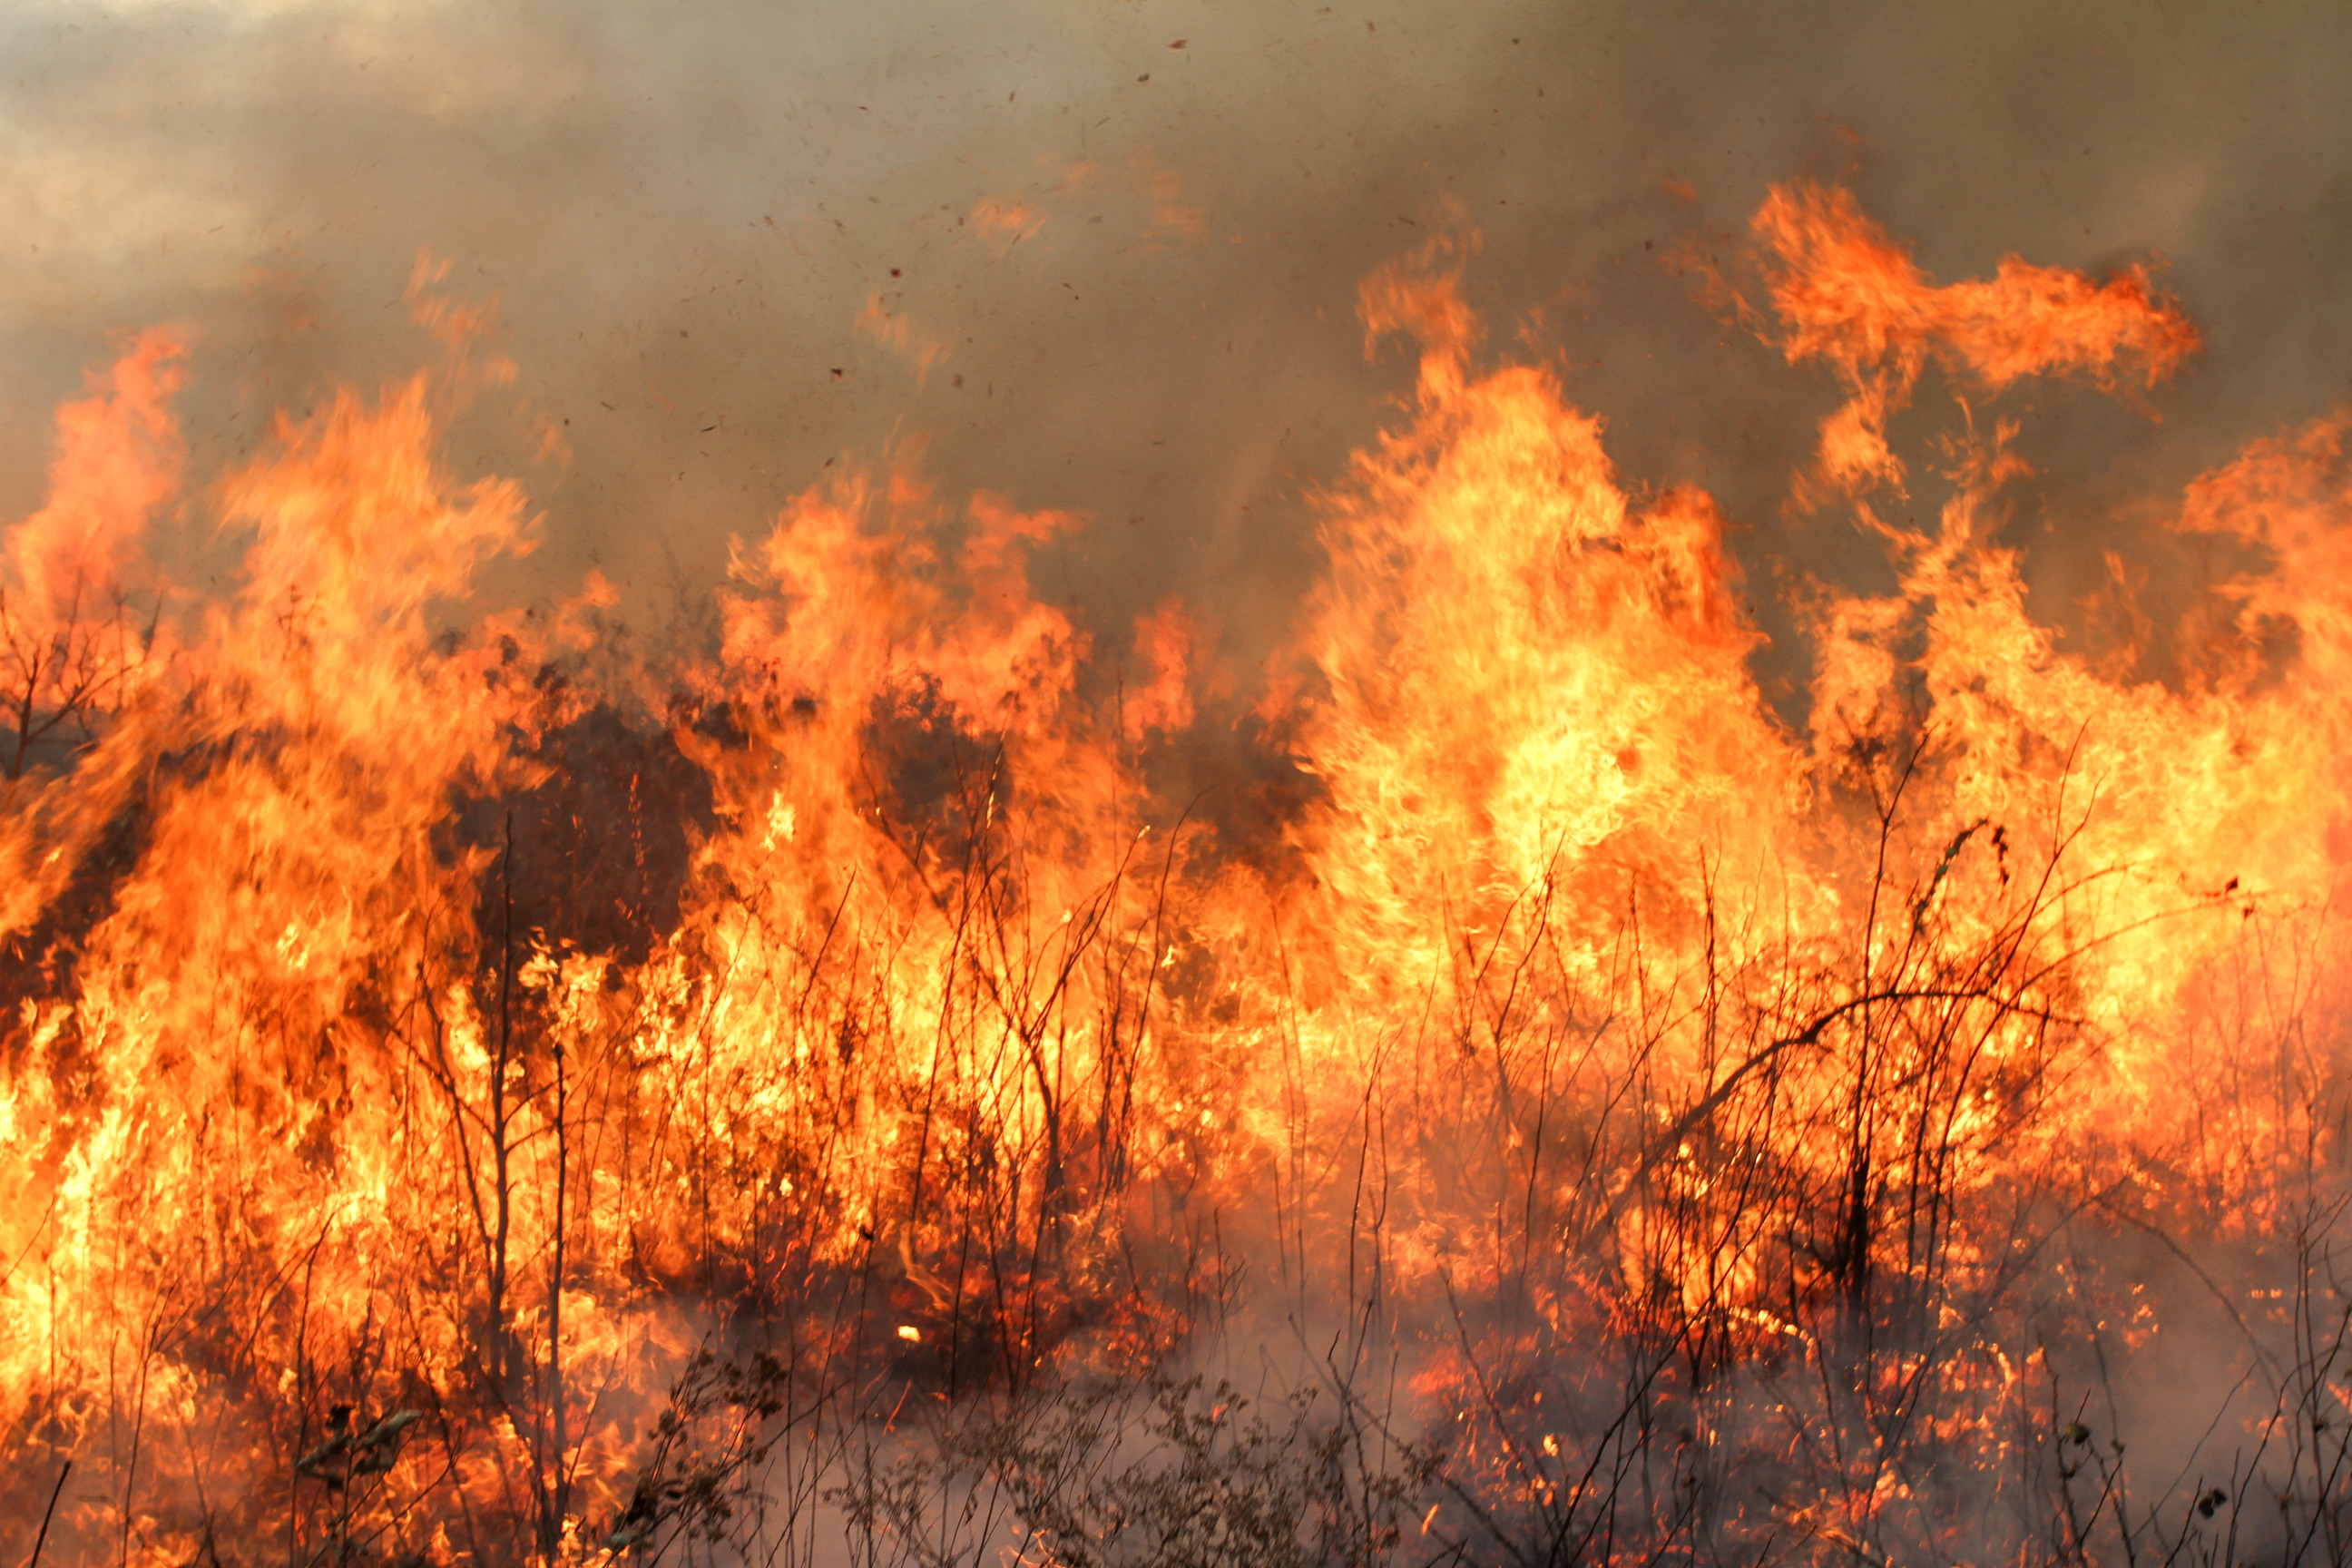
(1104, 251)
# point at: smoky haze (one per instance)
(1104, 257)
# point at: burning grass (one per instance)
(843, 1106)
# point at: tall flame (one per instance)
(418, 1048)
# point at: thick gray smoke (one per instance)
(1103, 256)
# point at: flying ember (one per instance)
(1588, 1052)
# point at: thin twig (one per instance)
(55, 1492)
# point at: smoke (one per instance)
(1102, 261)
(1104, 258)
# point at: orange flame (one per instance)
(400, 1021)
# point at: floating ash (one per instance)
(1637, 1019)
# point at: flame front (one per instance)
(461, 1105)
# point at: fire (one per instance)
(468, 1100)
